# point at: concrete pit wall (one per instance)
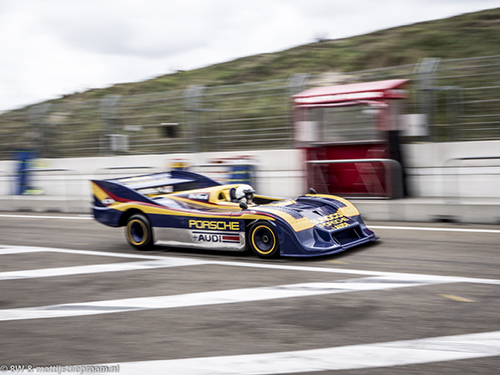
(446, 180)
(64, 186)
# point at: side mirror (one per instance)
(243, 205)
(312, 191)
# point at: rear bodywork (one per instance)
(186, 209)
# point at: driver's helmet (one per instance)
(245, 191)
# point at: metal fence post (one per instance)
(424, 73)
(192, 115)
(294, 85)
(110, 121)
(40, 137)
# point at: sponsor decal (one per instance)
(108, 201)
(199, 197)
(333, 221)
(214, 238)
(214, 225)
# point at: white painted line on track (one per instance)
(395, 353)
(407, 276)
(99, 268)
(212, 298)
(11, 249)
(80, 217)
(17, 250)
(431, 229)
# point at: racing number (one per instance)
(264, 240)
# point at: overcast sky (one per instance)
(49, 48)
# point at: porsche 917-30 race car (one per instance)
(185, 209)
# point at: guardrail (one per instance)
(55, 170)
(65, 194)
(5, 179)
(394, 181)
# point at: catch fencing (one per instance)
(458, 98)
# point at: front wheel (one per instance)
(263, 240)
(139, 232)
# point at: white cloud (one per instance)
(55, 47)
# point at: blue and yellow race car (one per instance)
(186, 209)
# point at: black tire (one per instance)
(139, 233)
(263, 240)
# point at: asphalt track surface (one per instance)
(424, 299)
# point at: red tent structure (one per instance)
(358, 122)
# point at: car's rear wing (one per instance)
(132, 188)
(178, 180)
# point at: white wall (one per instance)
(431, 168)
(279, 172)
(435, 170)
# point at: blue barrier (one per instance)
(24, 160)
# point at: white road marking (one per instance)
(434, 229)
(463, 230)
(17, 250)
(412, 276)
(80, 217)
(326, 359)
(395, 353)
(11, 249)
(6, 249)
(213, 298)
(98, 268)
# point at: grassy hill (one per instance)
(467, 35)
(78, 124)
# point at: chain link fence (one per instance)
(459, 98)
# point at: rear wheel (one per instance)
(263, 240)
(139, 232)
